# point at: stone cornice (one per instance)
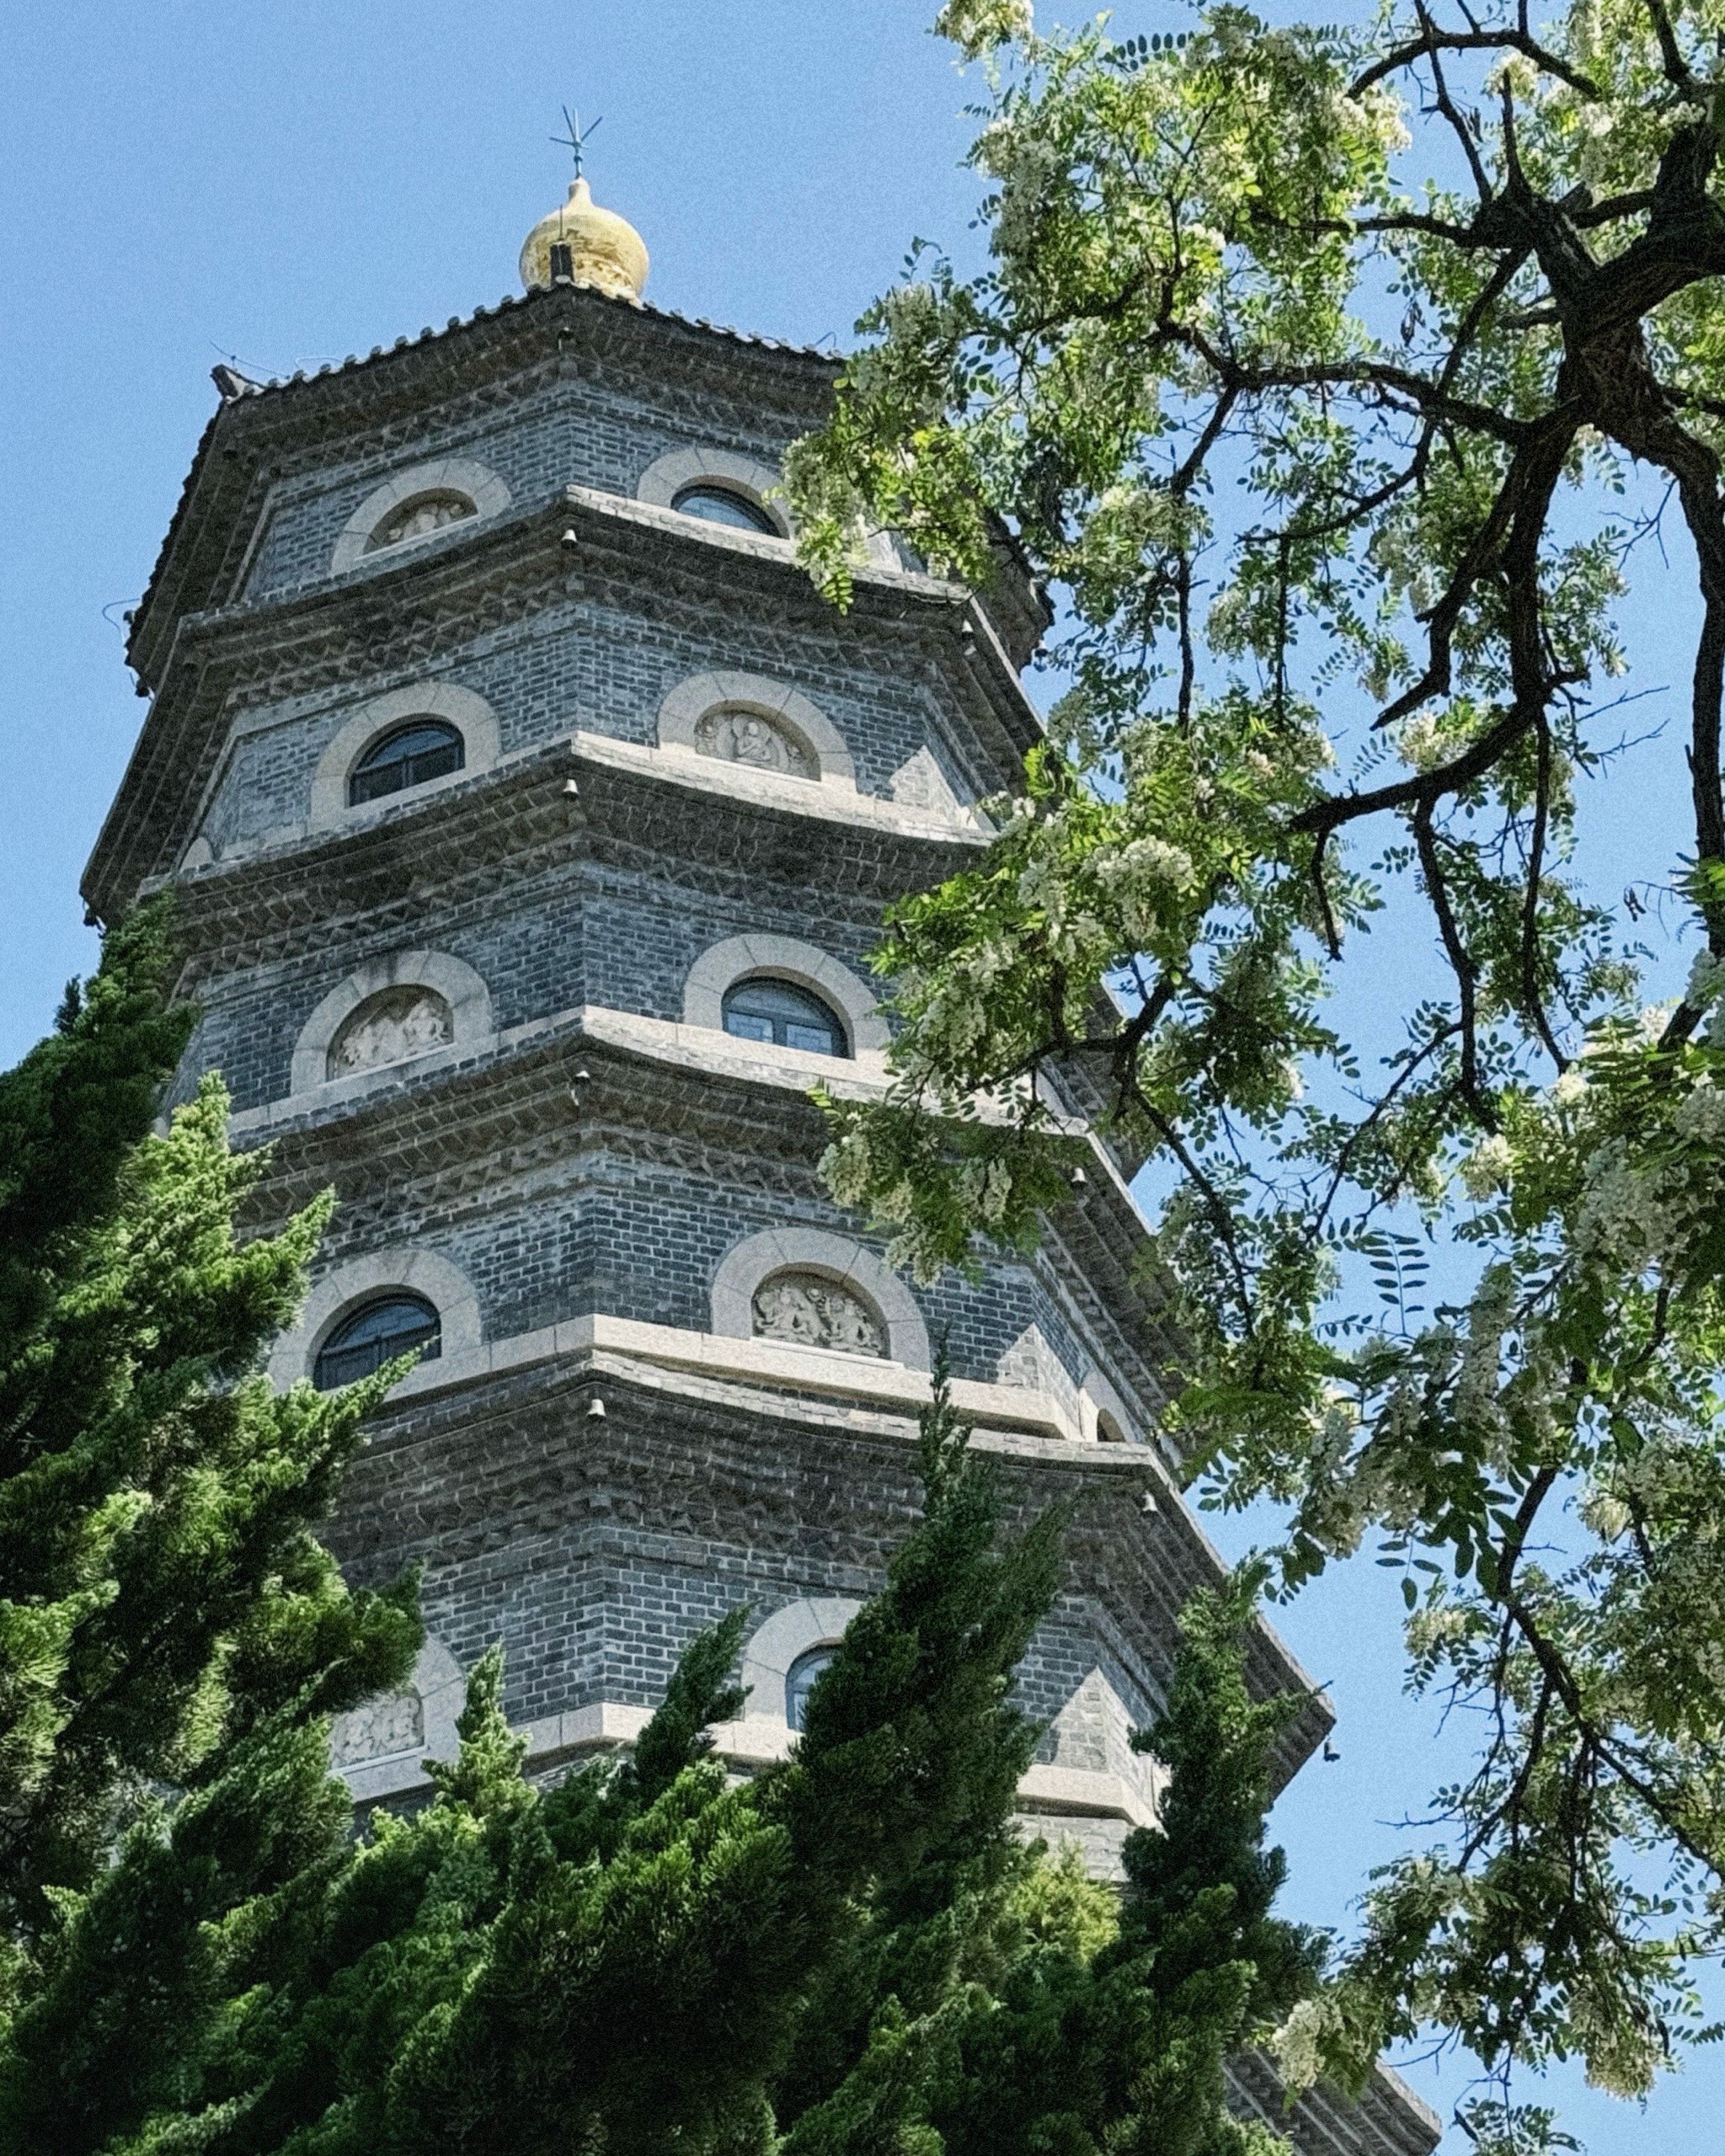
(379, 625)
(467, 1131)
(1136, 1564)
(260, 430)
(518, 821)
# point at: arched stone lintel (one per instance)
(454, 475)
(814, 1622)
(454, 979)
(667, 476)
(689, 702)
(482, 744)
(841, 1259)
(418, 1272)
(721, 966)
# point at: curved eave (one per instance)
(319, 638)
(520, 819)
(1135, 1568)
(256, 420)
(512, 1097)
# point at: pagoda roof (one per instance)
(189, 568)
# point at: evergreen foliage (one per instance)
(169, 1622)
(853, 1953)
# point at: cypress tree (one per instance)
(171, 1631)
(853, 1955)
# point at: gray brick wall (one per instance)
(595, 1560)
(605, 668)
(551, 434)
(592, 932)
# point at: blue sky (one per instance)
(193, 180)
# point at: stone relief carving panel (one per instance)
(390, 1028)
(414, 519)
(378, 1730)
(736, 736)
(812, 1312)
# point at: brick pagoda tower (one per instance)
(531, 817)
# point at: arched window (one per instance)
(723, 505)
(424, 749)
(1107, 1430)
(416, 519)
(767, 1010)
(799, 1682)
(376, 1334)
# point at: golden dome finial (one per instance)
(581, 241)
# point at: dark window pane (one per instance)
(776, 1010)
(799, 1682)
(720, 505)
(425, 748)
(394, 1325)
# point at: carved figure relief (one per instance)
(378, 1730)
(736, 736)
(390, 1028)
(414, 519)
(816, 1313)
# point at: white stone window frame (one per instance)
(461, 988)
(722, 966)
(464, 709)
(786, 1636)
(841, 1259)
(442, 1690)
(446, 475)
(758, 483)
(681, 712)
(361, 1280)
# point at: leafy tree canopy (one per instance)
(1340, 382)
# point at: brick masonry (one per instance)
(593, 1509)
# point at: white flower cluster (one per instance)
(1488, 1167)
(1075, 935)
(952, 1015)
(1298, 2045)
(1422, 743)
(985, 1188)
(975, 26)
(1141, 878)
(1700, 1115)
(1625, 1216)
(1436, 1628)
(1705, 991)
(1025, 167)
(847, 1167)
(1479, 1407)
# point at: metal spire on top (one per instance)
(576, 140)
